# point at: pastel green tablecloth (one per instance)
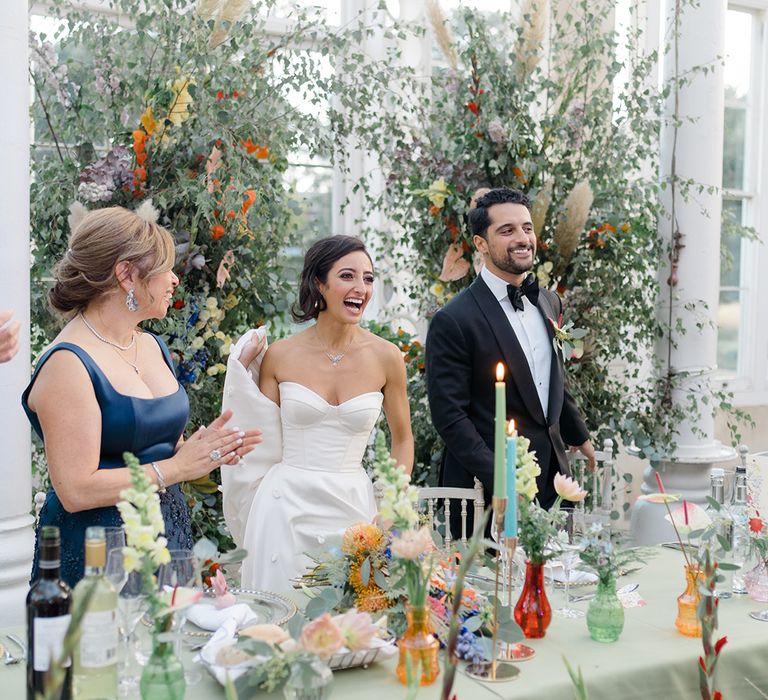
(651, 660)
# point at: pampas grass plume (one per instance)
(572, 221)
(443, 36)
(148, 212)
(529, 52)
(540, 207)
(77, 212)
(207, 9)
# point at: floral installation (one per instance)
(146, 550)
(183, 112)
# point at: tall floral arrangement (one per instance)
(193, 105)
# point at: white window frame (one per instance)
(750, 384)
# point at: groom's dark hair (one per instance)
(317, 264)
(479, 221)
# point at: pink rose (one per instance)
(412, 543)
(357, 628)
(321, 637)
(568, 489)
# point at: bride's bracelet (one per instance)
(161, 486)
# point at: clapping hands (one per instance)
(213, 446)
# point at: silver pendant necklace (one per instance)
(334, 358)
(117, 347)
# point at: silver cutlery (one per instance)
(588, 596)
(18, 642)
(8, 658)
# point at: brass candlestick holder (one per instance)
(494, 670)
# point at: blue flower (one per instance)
(186, 373)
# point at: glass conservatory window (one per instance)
(736, 275)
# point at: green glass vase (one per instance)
(163, 675)
(605, 615)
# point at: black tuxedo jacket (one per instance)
(466, 339)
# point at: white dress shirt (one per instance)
(528, 326)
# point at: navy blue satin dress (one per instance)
(149, 428)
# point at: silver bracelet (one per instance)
(161, 487)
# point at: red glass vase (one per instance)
(533, 613)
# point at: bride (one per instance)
(322, 390)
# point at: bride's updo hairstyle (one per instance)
(317, 264)
(98, 243)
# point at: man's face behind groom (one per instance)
(510, 243)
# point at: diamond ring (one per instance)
(215, 455)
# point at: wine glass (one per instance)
(569, 554)
(114, 538)
(131, 602)
(182, 570)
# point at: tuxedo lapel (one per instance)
(514, 357)
(556, 373)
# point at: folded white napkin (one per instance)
(224, 637)
(557, 573)
(208, 617)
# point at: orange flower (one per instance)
(148, 121)
(141, 157)
(249, 146)
(231, 214)
(517, 172)
(217, 231)
(434, 210)
(610, 228)
(262, 152)
(453, 228)
(473, 107)
(625, 227)
(219, 96)
(141, 174)
(139, 136)
(250, 198)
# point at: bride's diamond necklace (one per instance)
(334, 358)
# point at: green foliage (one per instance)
(428, 444)
(203, 119)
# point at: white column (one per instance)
(694, 295)
(16, 535)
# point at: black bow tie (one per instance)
(529, 288)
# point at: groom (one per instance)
(502, 317)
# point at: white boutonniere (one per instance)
(567, 339)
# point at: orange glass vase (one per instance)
(533, 613)
(687, 622)
(419, 648)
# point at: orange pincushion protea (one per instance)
(361, 538)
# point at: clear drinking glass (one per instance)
(131, 605)
(182, 570)
(569, 555)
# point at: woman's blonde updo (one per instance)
(99, 242)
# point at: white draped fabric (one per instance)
(304, 483)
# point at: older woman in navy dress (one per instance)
(104, 387)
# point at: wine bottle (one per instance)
(94, 659)
(48, 616)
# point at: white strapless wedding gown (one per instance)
(315, 488)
